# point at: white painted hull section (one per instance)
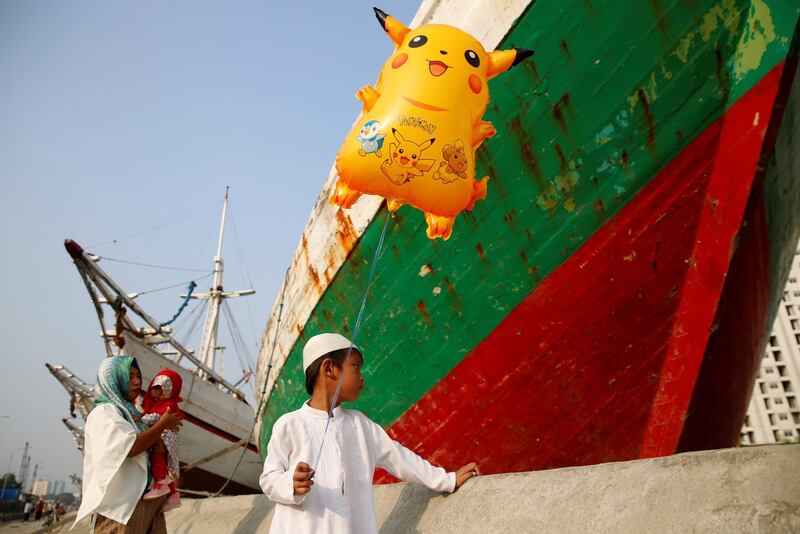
(211, 405)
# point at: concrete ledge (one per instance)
(735, 490)
(754, 489)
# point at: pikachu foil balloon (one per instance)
(415, 140)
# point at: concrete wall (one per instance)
(754, 489)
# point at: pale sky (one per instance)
(119, 117)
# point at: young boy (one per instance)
(337, 498)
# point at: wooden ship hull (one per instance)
(611, 298)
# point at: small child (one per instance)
(338, 496)
(162, 395)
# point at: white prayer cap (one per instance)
(322, 344)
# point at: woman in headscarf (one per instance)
(115, 472)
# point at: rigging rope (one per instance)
(174, 285)
(154, 228)
(356, 329)
(242, 271)
(245, 356)
(263, 389)
(183, 305)
(201, 308)
(239, 345)
(153, 265)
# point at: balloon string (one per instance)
(353, 339)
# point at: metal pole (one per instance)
(33, 478)
(208, 345)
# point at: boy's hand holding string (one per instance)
(302, 480)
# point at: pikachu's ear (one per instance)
(502, 60)
(398, 136)
(426, 144)
(393, 27)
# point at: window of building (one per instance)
(777, 355)
(746, 420)
(787, 386)
(783, 417)
(772, 419)
(790, 310)
(773, 385)
(773, 341)
(776, 434)
(792, 280)
(782, 370)
(797, 338)
(778, 400)
(769, 370)
(795, 325)
(796, 417)
(767, 403)
(792, 401)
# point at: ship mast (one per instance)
(208, 345)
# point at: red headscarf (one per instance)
(172, 394)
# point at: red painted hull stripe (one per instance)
(741, 145)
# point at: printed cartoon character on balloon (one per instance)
(432, 92)
(371, 139)
(454, 165)
(405, 160)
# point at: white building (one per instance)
(774, 412)
(40, 487)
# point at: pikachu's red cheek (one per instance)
(399, 61)
(475, 83)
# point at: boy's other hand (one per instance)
(302, 478)
(465, 473)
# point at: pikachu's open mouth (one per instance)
(437, 68)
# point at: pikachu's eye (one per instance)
(413, 156)
(417, 41)
(472, 58)
(401, 150)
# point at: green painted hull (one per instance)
(616, 91)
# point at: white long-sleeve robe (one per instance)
(340, 501)
(113, 483)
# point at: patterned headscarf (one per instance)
(113, 377)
